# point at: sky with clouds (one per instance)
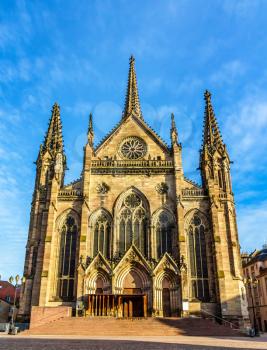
(77, 53)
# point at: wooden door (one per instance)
(166, 302)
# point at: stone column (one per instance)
(145, 305)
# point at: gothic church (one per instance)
(133, 237)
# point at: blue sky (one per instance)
(77, 53)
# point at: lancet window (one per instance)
(102, 229)
(198, 260)
(133, 225)
(164, 233)
(67, 259)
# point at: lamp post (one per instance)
(252, 283)
(11, 280)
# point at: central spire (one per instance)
(132, 104)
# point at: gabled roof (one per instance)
(191, 182)
(257, 255)
(133, 254)
(143, 125)
(99, 261)
(76, 184)
(132, 110)
(168, 262)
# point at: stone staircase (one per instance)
(101, 326)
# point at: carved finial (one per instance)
(207, 95)
(90, 134)
(174, 134)
(132, 59)
(173, 122)
(90, 122)
(81, 260)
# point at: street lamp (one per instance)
(252, 283)
(11, 280)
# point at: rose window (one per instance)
(133, 148)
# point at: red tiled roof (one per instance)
(8, 290)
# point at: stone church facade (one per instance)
(133, 237)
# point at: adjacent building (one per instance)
(255, 272)
(134, 236)
(8, 293)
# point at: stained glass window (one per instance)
(133, 225)
(133, 148)
(198, 260)
(67, 260)
(164, 228)
(102, 235)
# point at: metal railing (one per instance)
(53, 317)
(223, 321)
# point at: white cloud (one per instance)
(189, 85)
(228, 72)
(152, 85)
(245, 129)
(13, 233)
(79, 109)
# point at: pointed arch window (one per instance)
(67, 260)
(133, 225)
(101, 229)
(164, 233)
(198, 260)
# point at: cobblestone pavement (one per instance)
(130, 343)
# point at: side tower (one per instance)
(50, 170)
(215, 171)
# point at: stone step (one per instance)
(101, 326)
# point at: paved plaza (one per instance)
(21, 342)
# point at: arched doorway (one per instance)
(132, 283)
(167, 295)
(99, 286)
(166, 298)
(133, 302)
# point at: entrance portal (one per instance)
(134, 301)
(133, 305)
(166, 300)
(117, 305)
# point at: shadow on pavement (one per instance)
(95, 344)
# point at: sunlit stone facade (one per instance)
(133, 236)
